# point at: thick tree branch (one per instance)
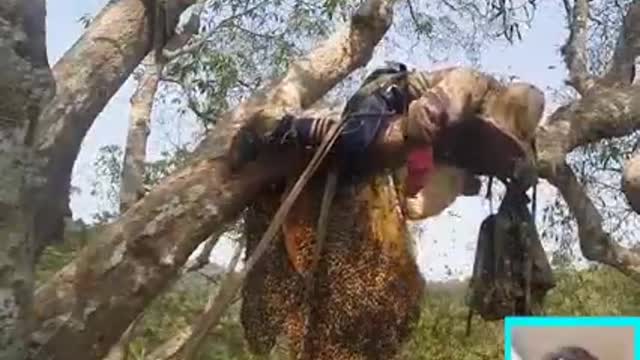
(87, 77)
(575, 50)
(307, 81)
(203, 258)
(622, 68)
(139, 255)
(595, 243)
(603, 113)
(600, 114)
(187, 342)
(26, 85)
(87, 305)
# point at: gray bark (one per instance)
(26, 85)
(609, 107)
(622, 67)
(87, 75)
(86, 307)
(133, 167)
(186, 343)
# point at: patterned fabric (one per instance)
(368, 286)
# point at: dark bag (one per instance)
(511, 273)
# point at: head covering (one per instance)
(500, 139)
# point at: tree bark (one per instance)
(25, 87)
(574, 50)
(120, 351)
(87, 75)
(622, 67)
(86, 306)
(389, 148)
(133, 167)
(186, 343)
(603, 113)
(609, 107)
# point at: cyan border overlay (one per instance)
(617, 321)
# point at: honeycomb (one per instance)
(368, 289)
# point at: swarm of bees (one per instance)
(368, 288)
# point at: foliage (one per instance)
(440, 334)
(77, 235)
(249, 42)
(105, 186)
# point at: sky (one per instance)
(446, 246)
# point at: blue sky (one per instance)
(446, 240)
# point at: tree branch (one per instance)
(26, 85)
(187, 342)
(369, 23)
(604, 111)
(198, 43)
(575, 50)
(601, 114)
(133, 167)
(87, 76)
(595, 243)
(203, 258)
(86, 306)
(622, 67)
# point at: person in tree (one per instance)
(366, 270)
(457, 116)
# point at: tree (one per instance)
(27, 85)
(88, 304)
(185, 208)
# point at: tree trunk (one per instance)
(120, 351)
(87, 75)
(87, 306)
(133, 168)
(26, 85)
